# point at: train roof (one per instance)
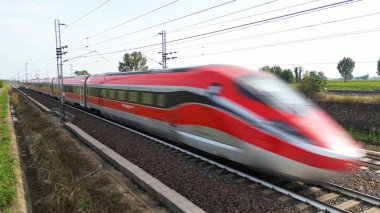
(226, 69)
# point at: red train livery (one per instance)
(249, 117)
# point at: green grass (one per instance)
(7, 162)
(350, 84)
(353, 84)
(365, 136)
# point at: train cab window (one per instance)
(111, 94)
(160, 100)
(121, 95)
(274, 92)
(133, 96)
(147, 98)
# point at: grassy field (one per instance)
(7, 162)
(351, 84)
(354, 84)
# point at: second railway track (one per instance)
(211, 185)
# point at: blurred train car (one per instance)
(249, 117)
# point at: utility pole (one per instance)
(163, 52)
(18, 76)
(71, 68)
(59, 53)
(26, 73)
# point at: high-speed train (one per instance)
(250, 117)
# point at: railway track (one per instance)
(327, 196)
(372, 160)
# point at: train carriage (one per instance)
(249, 117)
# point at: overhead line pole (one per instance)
(26, 74)
(164, 53)
(59, 54)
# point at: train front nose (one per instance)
(331, 140)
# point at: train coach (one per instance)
(249, 117)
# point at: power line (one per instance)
(222, 42)
(93, 10)
(242, 26)
(166, 22)
(137, 17)
(257, 14)
(228, 14)
(288, 42)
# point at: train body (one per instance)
(249, 117)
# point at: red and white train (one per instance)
(249, 117)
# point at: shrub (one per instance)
(312, 83)
(1, 84)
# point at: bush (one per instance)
(312, 83)
(1, 84)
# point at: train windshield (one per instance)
(275, 92)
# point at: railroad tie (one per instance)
(372, 210)
(276, 180)
(292, 185)
(253, 185)
(302, 206)
(348, 204)
(366, 159)
(327, 197)
(268, 191)
(284, 198)
(311, 190)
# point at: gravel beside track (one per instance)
(366, 181)
(205, 186)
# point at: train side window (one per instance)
(147, 98)
(160, 100)
(103, 93)
(133, 96)
(111, 94)
(121, 95)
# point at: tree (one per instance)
(363, 77)
(132, 62)
(83, 72)
(312, 83)
(286, 74)
(378, 67)
(346, 67)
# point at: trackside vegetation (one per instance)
(7, 161)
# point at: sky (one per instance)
(248, 33)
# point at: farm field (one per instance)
(354, 84)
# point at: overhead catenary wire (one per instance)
(377, 29)
(228, 14)
(222, 42)
(241, 26)
(235, 19)
(165, 22)
(88, 13)
(132, 19)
